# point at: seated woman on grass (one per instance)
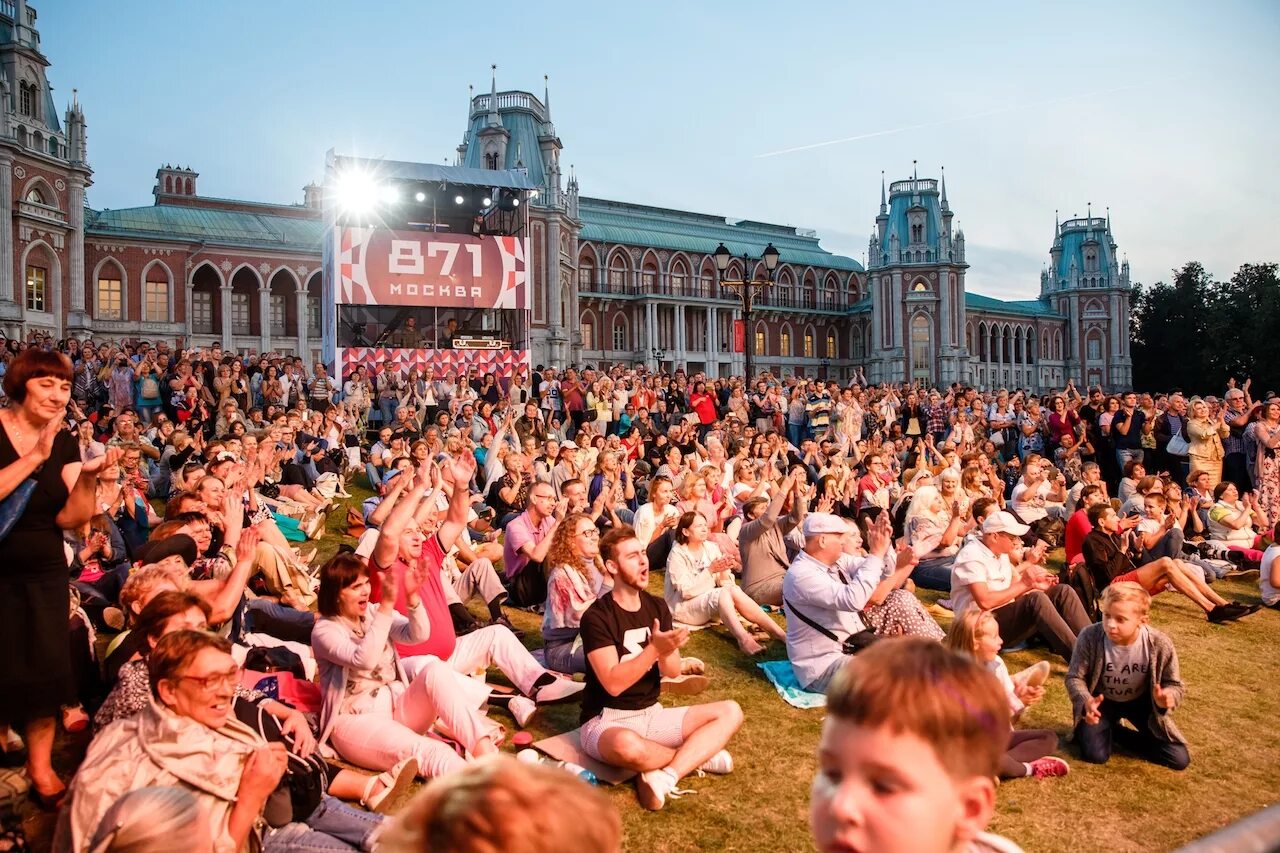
(699, 586)
(573, 585)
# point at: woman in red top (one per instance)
(1061, 420)
(703, 404)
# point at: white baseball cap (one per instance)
(817, 523)
(1003, 522)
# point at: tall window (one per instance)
(313, 316)
(36, 288)
(620, 335)
(202, 312)
(679, 281)
(1095, 349)
(110, 298)
(784, 343)
(277, 313)
(586, 277)
(617, 276)
(156, 302)
(759, 343)
(239, 313)
(26, 99)
(920, 336)
(831, 344)
(588, 334)
(808, 345)
(649, 281)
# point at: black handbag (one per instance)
(305, 779)
(850, 645)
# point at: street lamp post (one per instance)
(746, 288)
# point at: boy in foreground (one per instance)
(630, 646)
(909, 753)
(1123, 669)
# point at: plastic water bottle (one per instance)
(532, 756)
(581, 772)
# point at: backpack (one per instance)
(305, 779)
(150, 388)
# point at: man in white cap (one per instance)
(994, 573)
(823, 595)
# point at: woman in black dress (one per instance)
(35, 673)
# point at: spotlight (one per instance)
(515, 202)
(420, 196)
(487, 201)
(457, 199)
(355, 191)
(390, 194)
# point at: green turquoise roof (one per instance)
(699, 233)
(1025, 307)
(208, 225)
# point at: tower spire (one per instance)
(1057, 227)
(915, 174)
(884, 208)
(546, 95)
(494, 119)
(943, 169)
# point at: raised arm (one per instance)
(459, 501)
(388, 546)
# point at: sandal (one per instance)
(394, 783)
(74, 719)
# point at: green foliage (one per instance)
(1196, 333)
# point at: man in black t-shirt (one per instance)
(630, 645)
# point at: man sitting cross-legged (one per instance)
(630, 646)
(1107, 554)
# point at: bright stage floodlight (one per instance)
(486, 202)
(420, 196)
(355, 191)
(515, 202)
(390, 194)
(457, 199)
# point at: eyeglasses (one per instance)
(590, 533)
(211, 683)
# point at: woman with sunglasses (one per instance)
(573, 585)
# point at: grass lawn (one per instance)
(1232, 698)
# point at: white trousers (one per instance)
(493, 645)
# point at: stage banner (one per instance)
(502, 363)
(739, 335)
(378, 266)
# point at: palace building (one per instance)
(612, 281)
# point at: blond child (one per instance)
(909, 752)
(975, 633)
(1123, 669)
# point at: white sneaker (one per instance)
(721, 764)
(522, 709)
(653, 787)
(560, 690)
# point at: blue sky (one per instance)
(1166, 112)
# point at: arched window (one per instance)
(26, 98)
(37, 288)
(491, 160)
(156, 297)
(618, 274)
(620, 334)
(762, 341)
(784, 342)
(920, 285)
(35, 196)
(921, 333)
(586, 275)
(808, 344)
(110, 294)
(588, 332)
(831, 345)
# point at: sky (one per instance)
(1165, 112)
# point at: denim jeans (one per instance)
(1095, 741)
(1123, 455)
(387, 408)
(334, 825)
(281, 622)
(933, 573)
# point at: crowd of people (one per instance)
(160, 509)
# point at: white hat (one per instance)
(1003, 522)
(816, 523)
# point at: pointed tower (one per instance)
(493, 137)
(1090, 287)
(549, 149)
(915, 275)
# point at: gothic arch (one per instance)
(53, 282)
(919, 284)
(833, 339)
(588, 317)
(762, 330)
(95, 307)
(854, 286)
(587, 252)
(620, 322)
(812, 334)
(284, 282)
(984, 351)
(156, 263)
(786, 340)
(46, 191)
(855, 341)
